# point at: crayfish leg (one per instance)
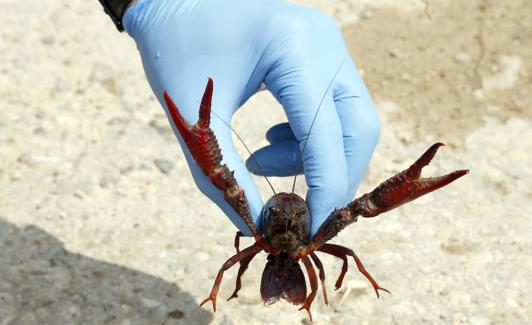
(313, 285)
(319, 265)
(237, 240)
(244, 263)
(246, 253)
(342, 252)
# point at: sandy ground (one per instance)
(100, 222)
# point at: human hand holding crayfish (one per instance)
(300, 56)
(295, 51)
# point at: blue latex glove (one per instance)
(296, 52)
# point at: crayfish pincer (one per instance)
(285, 220)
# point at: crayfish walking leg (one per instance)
(313, 286)
(246, 253)
(319, 265)
(243, 267)
(342, 252)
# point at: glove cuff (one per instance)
(115, 9)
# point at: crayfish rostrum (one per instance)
(285, 220)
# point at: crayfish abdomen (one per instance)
(283, 278)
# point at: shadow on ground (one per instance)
(42, 283)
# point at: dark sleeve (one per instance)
(115, 9)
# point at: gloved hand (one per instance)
(296, 52)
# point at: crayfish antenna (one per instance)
(300, 161)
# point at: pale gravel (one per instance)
(94, 231)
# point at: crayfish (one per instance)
(284, 227)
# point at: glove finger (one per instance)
(325, 166)
(280, 133)
(323, 157)
(305, 60)
(160, 51)
(360, 125)
(278, 159)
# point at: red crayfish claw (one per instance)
(204, 148)
(199, 138)
(407, 185)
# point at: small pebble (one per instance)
(104, 75)
(367, 14)
(122, 322)
(48, 40)
(164, 166)
(101, 73)
(149, 303)
(478, 93)
(461, 57)
(358, 287)
(479, 320)
(202, 256)
(61, 85)
(394, 53)
(163, 128)
(226, 320)
(176, 314)
(32, 160)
